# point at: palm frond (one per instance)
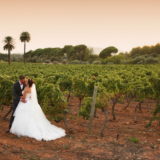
(9, 43)
(25, 37)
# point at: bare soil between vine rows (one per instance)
(78, 145)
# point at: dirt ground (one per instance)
(78, 145)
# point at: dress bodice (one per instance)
(28, 96)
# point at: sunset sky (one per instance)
(96, 23)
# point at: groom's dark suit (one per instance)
(17, 93)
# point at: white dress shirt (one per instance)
(21, 85)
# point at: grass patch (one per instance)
(133, 140)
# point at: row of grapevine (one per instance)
(57, 83)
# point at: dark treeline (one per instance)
(82, 54)
(145, 54)
(138, 55)
(68, 54)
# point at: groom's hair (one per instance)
(21, 77)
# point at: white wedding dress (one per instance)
(30, 120)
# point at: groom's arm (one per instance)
(16, 91)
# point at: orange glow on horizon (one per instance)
(99, 23)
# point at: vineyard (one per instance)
(58, 86)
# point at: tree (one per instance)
(69, 50)
(25, 37)
(118, 59)
(156, 49)
(3, 57)
(92, 58)
(9, 45)
(107, 52)
(82, 52)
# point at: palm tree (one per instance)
(9, 45)
(25, 37)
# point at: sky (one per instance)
(96, 23)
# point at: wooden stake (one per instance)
(92, 109)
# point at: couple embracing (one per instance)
(27, 117)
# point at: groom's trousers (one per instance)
(14, 106)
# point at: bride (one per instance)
(30, 120)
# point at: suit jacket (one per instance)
(17, 91)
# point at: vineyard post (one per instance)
(92, 108)
(105, 122)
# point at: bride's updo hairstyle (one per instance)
(30, 82)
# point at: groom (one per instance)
(18, 87)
